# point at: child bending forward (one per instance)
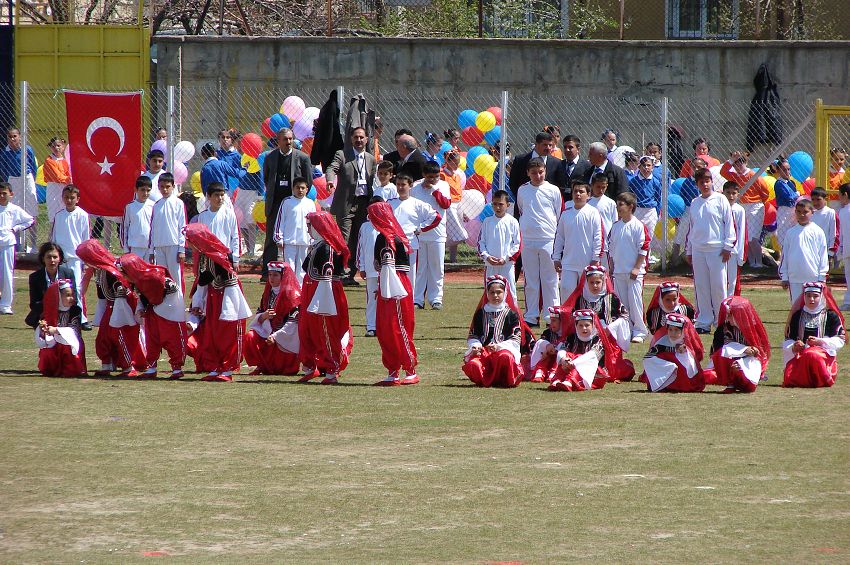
(586, 356)
(495, 338)
(61, 349)
(672, 363)
(740, 350)
(813, 335)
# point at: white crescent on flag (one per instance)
(105, 122)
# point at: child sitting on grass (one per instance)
(672, 363)
(62, 352)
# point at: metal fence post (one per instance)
(24, 128)
(170, 125)
(665, 182)
(503, 140)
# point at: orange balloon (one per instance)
(307, 145)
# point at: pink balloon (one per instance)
(473, 228)
(180, 172)
(68, 158)
(293, 107)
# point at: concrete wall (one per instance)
(678, 69)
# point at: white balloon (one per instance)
(184, 151)
(717, 179)
(471, 203)
(618, 156)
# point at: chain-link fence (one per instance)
(200, 113)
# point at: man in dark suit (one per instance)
(412, 157)
(393, 156)
(350, 178)
(280, 168)
(575, 166)
(598, 157)
(544, 143)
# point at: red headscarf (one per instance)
(665, 287)
(50, 304)
(750, 324)
(527, 336)
(691, 337)
(205, 241)
(326, 227)
(569, 304)
(94, 254)
(383, 219)
(288, 295)
(149, 279)
(830, 303)
(608, 344)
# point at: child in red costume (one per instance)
(813, 335)
(163, 313)
(323, 327)
(271, 344)
(117, 344)
(740, 350)
(218, 304)
(672, 363)
(61, 349)
(595, 291)
(394, 310)
(544, 356)
(587, 356)
(667, 299)
(495, 338)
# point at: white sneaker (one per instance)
(637, 339)
(6, 311)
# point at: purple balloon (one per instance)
(161, 145)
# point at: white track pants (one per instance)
(709, 286)
(540, 279)
(631, 295)
(429, 272)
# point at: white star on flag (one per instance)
(106, 166)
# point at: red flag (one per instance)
(105, 140)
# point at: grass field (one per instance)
(264, 470)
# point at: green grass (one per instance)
(265, 471)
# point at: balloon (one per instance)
(497, 113)
(490, 170)
(493, 135)
(303, 128)
(466, 119)
(196, 182)
(482, 162)
(311, 194)
(676, 187)
(808, 186)
(160, 145)
(261, 159)
(259, 214)
(41, 193)
(471, 135)
(250, 164)
(769, 214)
(473, 228)
(462, 164)
(485, 121)
(770, 182)
(180, 172)
(446, 146)
(618, 156)
(471, 203)
(321, 186)
(478, 182)
(307, 146)
(801, 165)
(184, 151)
(439, 159)
(293, 107)
(266, 128)
(277, 122)
(671, 230)
(251, 144)
(39, 176)
(473, 154)
(486, 212)
(675, 205)
(717, 179)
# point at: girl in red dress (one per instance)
(672, 363)
(587, 356)
(740, 351)
(61, 349)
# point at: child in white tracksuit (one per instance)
(499, 242)
(804, 252)
(579, 241)
(136, 225)
(70, 228)
(168, 223)
(736, 260)
(628, 250)
(13, 220)
(368, 272)
(290, 229)
(414, 216)
(432, 244)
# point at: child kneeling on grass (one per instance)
(495, 338)
(740, 350)
(672, 363)
(586, 357)
(813, 335)
(58, 335)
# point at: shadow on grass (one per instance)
(310, 383)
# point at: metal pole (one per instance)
(170, 126)
(622, 16)
(330, 18)
(665, 182)
(24, 128)
(480, 18)
(503, 141)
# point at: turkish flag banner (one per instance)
(105, 142)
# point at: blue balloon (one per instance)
(801, 165)
(675, 205)
(493, 135)
(676, 187)
(41, 193)
(467, 118)
(473, 153)
(311, 194)
(278, 121)
(232, 184)
(439, 159)
(486, 212)
(261, 159)
(446, 146)
(317, 172)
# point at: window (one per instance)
(702, 19)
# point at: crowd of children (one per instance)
(583, 264)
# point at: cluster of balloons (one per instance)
(296, 115)
(476, 127)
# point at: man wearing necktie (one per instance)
(598, 157)
(350, 177)
(544, 143)
(575, 167)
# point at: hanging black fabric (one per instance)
(328, 138)
(764, 123)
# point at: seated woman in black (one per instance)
(53, 268)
